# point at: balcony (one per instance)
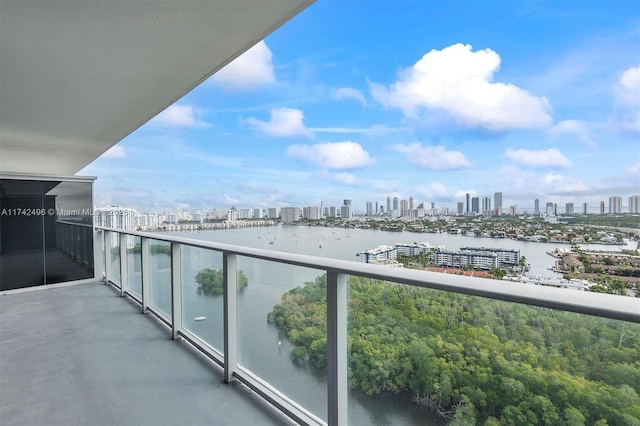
(122, 368)
(77, 77)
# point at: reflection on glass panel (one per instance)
(42, 241)
(202, 304)
(21, 234)
(419, 356)
(160, 277)
(114, 244)
(68, 231)
(294, 362)
(134, 265)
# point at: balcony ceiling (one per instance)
(77, 76)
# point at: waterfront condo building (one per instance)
(634, 204)
(568, 209)
(290, 214)
(615, 205)
(497, 202)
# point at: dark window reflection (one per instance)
(46, 234)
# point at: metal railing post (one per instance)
(176, 290)
(98, 254)
(145, 272)
(124, 278)
(229, 293)
(337, 348)
(107, 256)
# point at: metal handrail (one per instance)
(589, 303)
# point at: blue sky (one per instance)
(429, 99)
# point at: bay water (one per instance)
(263, 348)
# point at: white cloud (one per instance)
(632, 125)
(349, 93)
(580, 129)
(628, 88)
(338, 130)
(383, 129)
(551, 178)
(332, 155)
(457, 81)
(545, 158)
(627, 96)
(341, 177)
(434, 190)
(433, 157)
(248, 71)
(116, 151)
(178, 116)
(230, 200)
(285, 122)
(569, 126)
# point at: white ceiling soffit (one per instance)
(77, 76)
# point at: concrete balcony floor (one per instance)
(84, 355)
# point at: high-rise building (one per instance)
(290, 214)
(486, 206)
(311, 212)
(497, 202)
(536, 207)
(346, 212)
(272, 212)
(468, 207)
(460, 208)
(475, 205)
(584, 208)
(410, 203)
(549, 208)
(369, 208)
(615, 205)
(115, 217)
(634, 204)
(513, 210)
(568, 209)
(601, 207)
(388, 205)
(395, 203)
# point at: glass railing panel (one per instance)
(134, 265)
(160, 276)
(420, 356)
(202, 303)
(292, 363)
(114, 246)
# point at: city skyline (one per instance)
(430, 100)
(396, 207)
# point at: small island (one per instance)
(210, 281)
